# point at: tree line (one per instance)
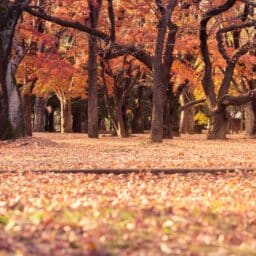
(210, 40)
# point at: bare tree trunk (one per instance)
(220, 115)
(93, 129)
(27, 107)
(162, 59)
(157, 113)
(187, 115)
(187, 121)
(249, 120)
(77, 109)
(138, 116)
(121, 131)
(167, 115)
(49, 119)
(219, 126)
(39, 110)
(66, 116)
(11, 112)
(27, 104)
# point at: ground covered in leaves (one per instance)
(47, 151)
(136, 214)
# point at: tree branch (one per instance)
(114, 51)
(76, 25)
(207, 79)
(226, 30)
(111, 15)
(191, 103)
(249, 3)
(228, 100)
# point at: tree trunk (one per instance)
(121, 131)
(187, 115)
(138, 117)
(66, 116)
(219, 126)
(157, 112)
(162, 59)
(39, 110)
(167, 117)
(27, 104)
(187, 121)
(27, 107)
(249, 120)
(49, 119)
(220, 115)
(11, 113)
(175, 114)
(138, 121)
(5, 125)
(77, 117)
(93, 129)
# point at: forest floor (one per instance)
(129, 214)
(53, 151)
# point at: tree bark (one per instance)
(121, 131)
(39, 110)
(187, 115)
(11, 112)
(138, 116)
(220, 115)
(187, 121)
(93, 129)
(66, 116)
(249, 120)
(27, 105)
(77, 109)
(160, 78)
(49, 119)
(219, 125)
(167, 115)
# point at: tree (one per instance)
(218, 103)
(121, 81)
(93, 130)
(11, 113)
(142, 29)
(162, 58)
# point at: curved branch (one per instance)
(207, 80)
(115, 50)
(191, 103)
(226, 30)
(242, 51)
(70, 24)
(228, 100)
